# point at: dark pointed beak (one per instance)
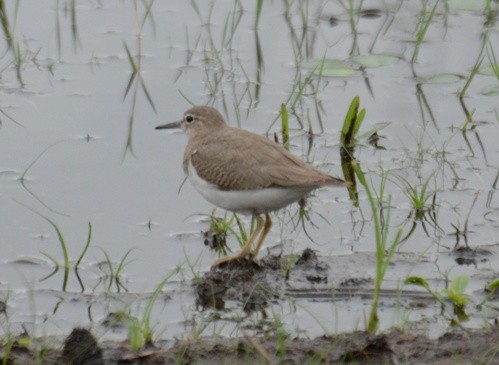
(169, 126)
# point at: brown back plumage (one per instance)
(248, 161)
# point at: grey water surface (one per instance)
(77, 146)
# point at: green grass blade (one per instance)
(473, 72)
(10, 118)
(259, 6)
(123, 263)
(424, 24)
(147, 331)
(195, 6)
(147, 13)
(56, 266)
(148, 96)
(131, 59)
(5, 25)
(89, 239)
(242, 232)
(493, 60)
(285, 126)
(493, 285)
(59, 236)
(352, 123)
(61, 241)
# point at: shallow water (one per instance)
(72, 119)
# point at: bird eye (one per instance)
(189, 119)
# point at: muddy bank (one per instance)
(256, 283)
(392, 347)
(253, 286)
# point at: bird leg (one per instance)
(265, 231)
(246, 249)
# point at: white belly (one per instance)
(246, 201)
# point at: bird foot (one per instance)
(236, 259)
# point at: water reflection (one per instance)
(247, 62)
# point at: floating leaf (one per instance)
(444, 79)
(491, 91)
(338, 72)
(378, 127)
(329, 68)
(370, 13)
(374, 61)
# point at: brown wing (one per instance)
(248, 161)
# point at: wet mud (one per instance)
(253, 285)
(392, 347)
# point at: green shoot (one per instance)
(220, 227)
(18, 62)
(493, 286)
(87, 245)
(64, 250)
(418, 196)
(462, 93)
(259, 6)
(493, 60)
(146, 321)
(114, 274)
(352, 123)
(285, 126)
(473, 72)
(424, 23)
(140, 332)
(6, 25)
(136, 78)
(217, 233)
(419, 281)
(136, 339)
(384, 251)
(7, 348)
(193, 267)
(453, 294)
(348, 140)
(491, 289)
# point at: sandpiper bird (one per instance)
(243, 172)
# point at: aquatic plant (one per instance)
(136, 78)
(140, 332)
(64, 250)
(114, 274)
(352, 123)
(220, 227)
(454, 293)
(384, 250)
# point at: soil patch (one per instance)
(255, 284)
(393, 347)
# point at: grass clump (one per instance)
(385, 249)
(140, 331)
(66, 264)
(220, 227)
